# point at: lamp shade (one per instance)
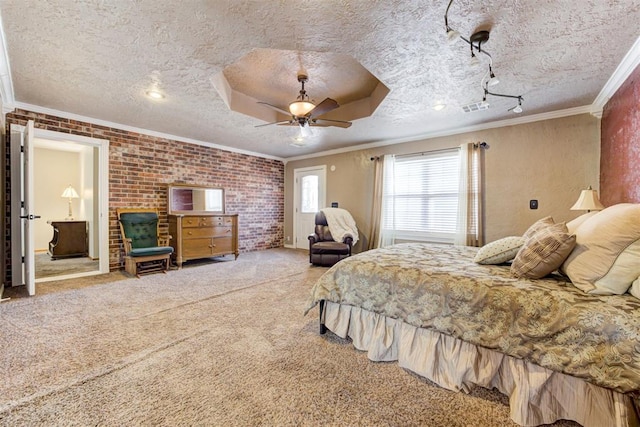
(588, 201)
(70, 193)
(301, 108)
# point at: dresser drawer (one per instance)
(197, 232)
(206, 221)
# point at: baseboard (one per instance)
(289, 246)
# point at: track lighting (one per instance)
(493, 80)
(484, 104)
(518, 108)
(452, 36)
(475, 43)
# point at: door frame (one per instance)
(102, 145)
(322, 200)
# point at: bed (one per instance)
(558, 347)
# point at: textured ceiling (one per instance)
(98, 58)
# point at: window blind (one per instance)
(420, 199)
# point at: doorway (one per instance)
(65, 182)
(309, 197)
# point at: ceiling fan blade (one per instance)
(327, 122)
(288, 122)
(324, 107)
(278, 109)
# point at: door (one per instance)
(27, 215)
(309, 197)
(23, 183)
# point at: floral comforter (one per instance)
(547, 321)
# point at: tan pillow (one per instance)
(635, 288)
(539, 224)
(499, 251)
(543, 252)
(601, 242)
(573, 225)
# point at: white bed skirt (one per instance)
(536, 395)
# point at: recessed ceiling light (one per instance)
(155, 94)
(438, 107)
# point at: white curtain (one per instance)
(469, 221)
(387, 208)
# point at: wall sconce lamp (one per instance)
(70, 193)
(588, 201)
(475, 43)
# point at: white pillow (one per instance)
(606, 258)
(499, 251)
(635, 288)
(573, 225)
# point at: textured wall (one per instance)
(141, 166)
(550, 161)
(620, 152)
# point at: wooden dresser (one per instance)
(203, 236)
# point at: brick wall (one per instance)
(141, 167)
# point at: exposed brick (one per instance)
(141, 167)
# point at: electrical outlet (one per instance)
(288, 239)
(533, 204)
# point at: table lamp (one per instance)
(588, 201)
(70, 193)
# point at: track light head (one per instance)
(493, 80)
(518, 108)
(452, 35)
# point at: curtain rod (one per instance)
(475, 145)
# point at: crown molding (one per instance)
(628, 64)
(72, 116)
(491, 125)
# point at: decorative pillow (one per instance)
(635, 288)
(543, 252)
(606, 260)
(573, 225)
(499, 251)
(539, 224)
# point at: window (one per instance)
(420, 197)
(309, 194)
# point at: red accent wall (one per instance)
(141, 166)
(620, 145)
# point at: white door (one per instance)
(27, 214)
(309, 197)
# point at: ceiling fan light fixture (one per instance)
(300, 108)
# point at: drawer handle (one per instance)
(191, 232)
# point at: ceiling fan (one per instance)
(305, 113)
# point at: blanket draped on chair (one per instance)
(341, 223)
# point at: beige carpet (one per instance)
(215, 344)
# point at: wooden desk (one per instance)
(69, 239)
